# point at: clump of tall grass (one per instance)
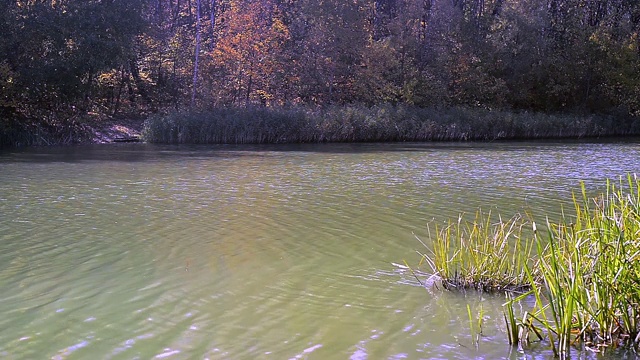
(485, 254)
(590, 264)
(584, 274)
(360, 123)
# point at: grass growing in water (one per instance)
(482, 254)
(584, 274)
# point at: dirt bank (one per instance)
(116, 130)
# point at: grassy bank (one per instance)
(44, 132)
(303, 124)
(584, 272)
(383, 123)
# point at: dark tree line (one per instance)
(64, 60)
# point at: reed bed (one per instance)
(583, 272)
(380, 123)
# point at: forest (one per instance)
(68, 63)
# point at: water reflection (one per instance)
(259, 252)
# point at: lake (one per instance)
(135, 251)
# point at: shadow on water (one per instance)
(128, 152)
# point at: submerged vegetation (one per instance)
(357, 123)
(583, 274)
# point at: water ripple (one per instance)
(229, 252)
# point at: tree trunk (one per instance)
(214, 5)
(249, 86)
(135, 73)
(116, 106)
(159, 12)
(197, 55)
(174, 17)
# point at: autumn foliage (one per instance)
(62, 62)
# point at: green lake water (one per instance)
(133, 251)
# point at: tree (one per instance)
(248, 61)
(57, 49)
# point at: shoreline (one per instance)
(116, 130)
(384, 123)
